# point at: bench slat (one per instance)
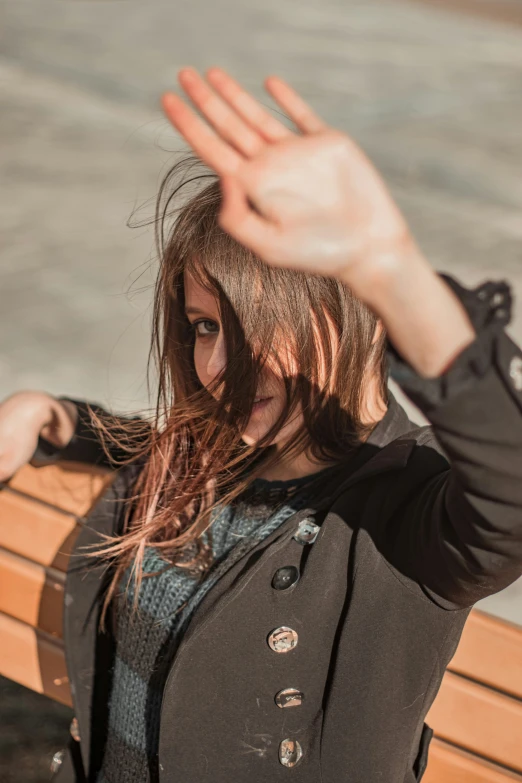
(72, 487)
(447, 764)
(31, 593)
(479, 720)
(36, 531)
(490, 651)
(33, 659)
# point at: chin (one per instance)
(252, 437)
(250, 440)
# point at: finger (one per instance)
(247, 107)
(224, 119)
(246, 226)
(212, 150)
(297, 109)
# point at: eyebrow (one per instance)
(193, 310)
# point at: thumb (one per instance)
(235, 205)
(239, 218)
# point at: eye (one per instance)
(194, 328)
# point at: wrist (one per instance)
(386, 269)
(424, 319)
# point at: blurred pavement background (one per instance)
(433, 95)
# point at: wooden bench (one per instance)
(476, 717)
(40, 509)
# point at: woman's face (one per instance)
(209, 358)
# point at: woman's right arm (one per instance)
(36, 425)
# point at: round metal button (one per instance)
(307, 531)
(57, 761)
(75, 729)
(285, 577)
(290, 751)
(282, 639)
(515, 372)
(289, 697)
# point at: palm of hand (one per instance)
(312, 202)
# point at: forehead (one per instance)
(196, 296)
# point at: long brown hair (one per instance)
(190, 452)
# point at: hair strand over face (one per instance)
(190, 455)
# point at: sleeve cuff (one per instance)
(45, 453)
(489, 309)
(84, 446)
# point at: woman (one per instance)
(285, 581)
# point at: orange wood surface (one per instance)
(31, 593)
(490, 651)
(478, 719)
(72, 487)
(33, 659)
(447, 764)
(36, 531)
(39, 508)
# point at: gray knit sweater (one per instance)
(145, 644)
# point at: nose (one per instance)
(217, 359)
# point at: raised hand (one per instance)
(309, 200)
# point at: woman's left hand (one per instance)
(310, 201)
